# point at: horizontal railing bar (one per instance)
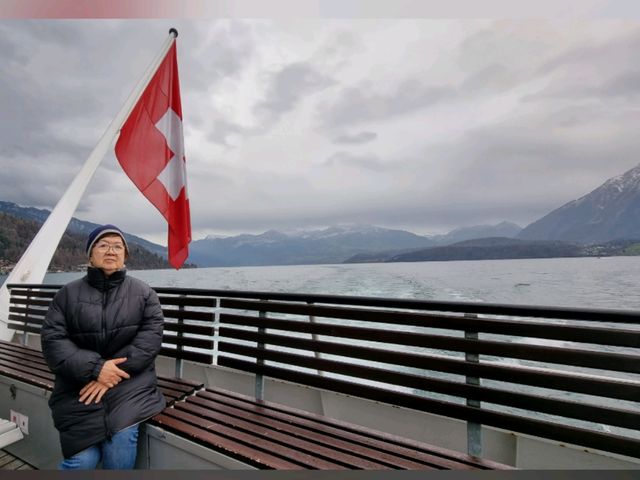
(565, 313)
(568, 409)
(23, 319)
(21, 327)
(605, 336)
(187, 301)
(205, 358)
(33, 293)
(188, 314)
(510, 422)
(28, 310)
(188, 341)
(582, 358)
(30, 301)
(555, 380)
(188, 328)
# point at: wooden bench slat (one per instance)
(28, 370)
(183, 389)
(23, 360)
(33, 380)
(169, 396)
(183, 381)
(22, 351)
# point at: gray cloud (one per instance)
(354, 139)
(613, 52)
(623, 86)
(367, 162)
(230, 48)
(359, 104)
(289, 86)
(221, 130)
(559, 120)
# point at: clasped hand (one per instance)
(109, 377)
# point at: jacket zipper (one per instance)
(107, 425)
(104, 338)
(104, 317)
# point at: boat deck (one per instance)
(9, 462)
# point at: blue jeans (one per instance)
(119, 453)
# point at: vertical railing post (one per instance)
(314, 337)
(260, 360)
(25, 340)
(474, 429)
(179, 347)
(216, 329)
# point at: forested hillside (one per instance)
(17, 233)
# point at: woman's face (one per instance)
(108, 253)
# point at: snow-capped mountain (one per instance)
(610, 212)
(329, 245)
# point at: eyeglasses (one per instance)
(104, 247)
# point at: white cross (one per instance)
(174, 175)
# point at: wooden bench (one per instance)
(268, 435)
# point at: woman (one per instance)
(100, 337)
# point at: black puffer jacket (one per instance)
(92, 320)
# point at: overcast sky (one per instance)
(425, 125)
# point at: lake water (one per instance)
(608, 282)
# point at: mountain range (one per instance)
(77, 227)
(16, 233)
(610, 212)
(605, 221)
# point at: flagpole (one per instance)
(32, 266)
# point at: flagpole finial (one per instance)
(173, 32)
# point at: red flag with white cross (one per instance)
(150, 149)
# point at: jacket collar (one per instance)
(98, 280)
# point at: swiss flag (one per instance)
(151, 151)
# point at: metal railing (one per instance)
(566, 374)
